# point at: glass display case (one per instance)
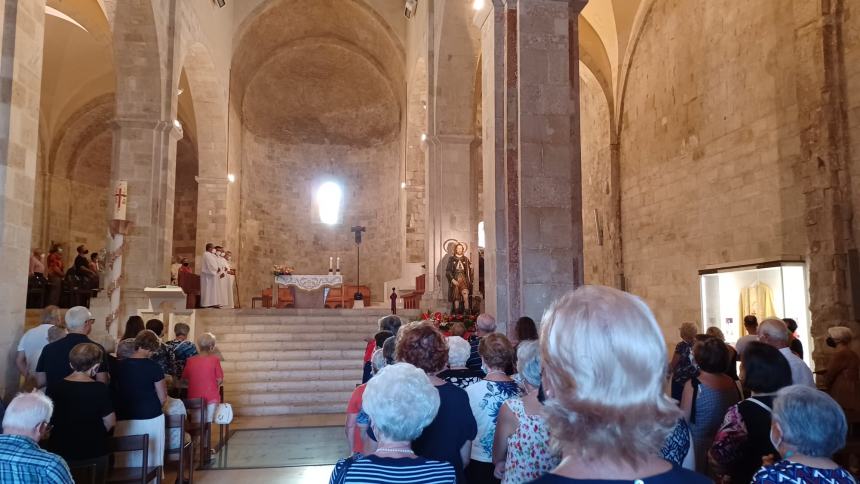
(767, 289)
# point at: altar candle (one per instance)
(330, 263)
(338, 263)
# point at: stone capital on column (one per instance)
(463, 139)
(136, 123)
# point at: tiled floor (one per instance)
(318, 474)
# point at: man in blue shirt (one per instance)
(21, 459)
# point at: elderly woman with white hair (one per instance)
(401, 402)
(521, 446)
(457, 372)
(604, 360)
(842, 378)
(807, 428)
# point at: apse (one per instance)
(320, 99)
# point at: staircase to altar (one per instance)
(291, 361)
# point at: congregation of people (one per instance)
(589, 398)
(83, 394)
(49, 273)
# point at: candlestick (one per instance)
(330, 264)
(338, 264)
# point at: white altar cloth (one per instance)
(316, 288)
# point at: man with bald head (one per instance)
(775, 333)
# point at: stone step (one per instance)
(230, 337)
(351, 374)
(287, 398)
(290, 365)
(270, 387)
(323, 344)
(292, 409)
(355, 355)
(221, 329)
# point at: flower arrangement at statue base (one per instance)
(282, 270)
(445, 321)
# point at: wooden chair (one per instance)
(185, 451)
(83, 474)
(142, 474)
(200, 430)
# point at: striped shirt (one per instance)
(21, 460)
(372, 469)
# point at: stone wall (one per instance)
(279, 223)
(851, 53)
(185, 202)
(596, 204)
(709, 144)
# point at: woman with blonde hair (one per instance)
(604, 360)
(682, 368)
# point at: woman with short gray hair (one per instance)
(808, 427)
(401, 402)
(457, 372)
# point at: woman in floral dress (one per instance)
(485, 399)
(521, 449)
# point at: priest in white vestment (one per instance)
(210, 281)
(231, 280)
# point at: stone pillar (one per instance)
(145, 156)
(22, 28)
(548, 169)
(823, 166)
(211, 215)
(449, 185)
(492, 24)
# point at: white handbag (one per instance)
(223, 414)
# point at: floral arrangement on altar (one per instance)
(444, 321)
(282, 270)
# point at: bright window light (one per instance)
(329, 196)
(482, 236)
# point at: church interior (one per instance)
(701, 155)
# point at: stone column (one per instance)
(548, 169)
(145, 156)
(449, 185)
(22, 28)
(211, 215)
(823, 167)
(491, 21)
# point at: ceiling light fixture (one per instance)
(423, 136)
(231, 178)
(478, 4)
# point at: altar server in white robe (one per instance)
(210, 279)
(231, 278)
(222, 278)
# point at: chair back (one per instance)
(83, 474)
(133, 443)
(195, 406)
(172, 422)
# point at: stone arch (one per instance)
(600, 225)
(208, 101)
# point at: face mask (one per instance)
(830, 342)
(773, 443)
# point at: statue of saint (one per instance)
(459, 274)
